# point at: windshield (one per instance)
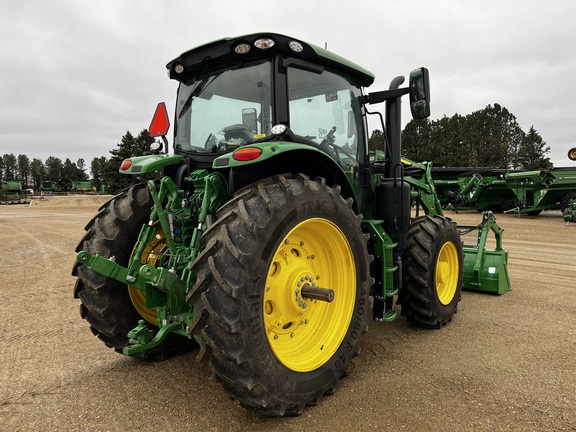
(222, 110)
(325, 108)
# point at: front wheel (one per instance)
(432, 272)
(113, 308)
(281, 296)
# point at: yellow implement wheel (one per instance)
(305, 333)
(152, 255)
(572, 154)
(447, 273)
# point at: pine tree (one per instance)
(128, 147)
(416, 141)
(98, 171)
(81, 165)
(10, 167)
(24, 170)
(54, 167)
(37, 172)
(532, 152)
(377, 141)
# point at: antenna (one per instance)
(325, 45)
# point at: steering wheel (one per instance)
(211, 138)
(329, 138)
(328, 144)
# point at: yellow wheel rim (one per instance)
(572, 154)
(152, 255)
(447, 273)
(303, 333)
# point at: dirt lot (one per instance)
(504, 363)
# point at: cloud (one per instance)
(75, 76)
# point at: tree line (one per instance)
(32, 172)
(490, 137)
(104, 171)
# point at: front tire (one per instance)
(432, 272)
(275, 350)
(111, 307)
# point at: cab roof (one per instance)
(230, 51)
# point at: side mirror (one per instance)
(420, 94)
(250, 119)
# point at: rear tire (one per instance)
(106, 303)
(566, 200)
(432, 272)
(507, 205)
(534, 212)
(274, 350)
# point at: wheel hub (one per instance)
(447, 273)
(153, 255)
(305, 323)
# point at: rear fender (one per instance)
(281, 157)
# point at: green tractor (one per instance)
(274, 232)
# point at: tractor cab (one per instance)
(322, 110)
(278, 101)
(233, 91)
(274, 100)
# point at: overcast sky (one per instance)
(76, 75)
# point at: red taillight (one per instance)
(160, 122)
(126, 164)
(247, 153)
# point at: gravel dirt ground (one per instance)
(504, 363)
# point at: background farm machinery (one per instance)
(525, 192)
(473, 188)
(11, 192)
(569, 211)
(65, 186)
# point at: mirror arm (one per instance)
(382, 96)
